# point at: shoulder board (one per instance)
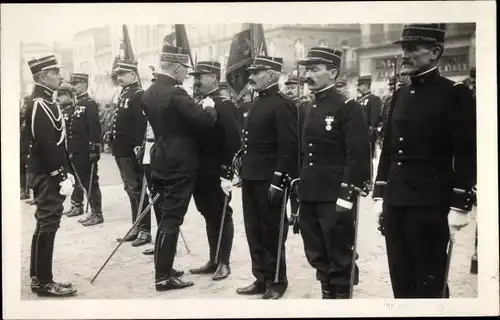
(348, 100)
(457, 83)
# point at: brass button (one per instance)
(400, 151)
(310, 164)
(310, 154)
(399, 164)
(400, 138)
(310, 144)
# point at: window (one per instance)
(383, 68)
(299, 50)
(271, 48)
(376, 33)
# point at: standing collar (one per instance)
(166, 79)
(272, 89)
(130, 86)
(215, 92)
(323, 93)
(427, 76)
(82, 96)
(367, 93)
(43, 91)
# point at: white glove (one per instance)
(226, 185)
(207, 102)
(67, 185)
(456, 221)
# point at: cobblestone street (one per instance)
(80, 252)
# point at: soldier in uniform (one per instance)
(49, 177)
(217, 148)
(128, 130)
(175, 120)
(386, 106)
(372, 107)
(427, 167)
(335, 169)
(83, 136)
(341, 86)
(269, 147)
(24, 144)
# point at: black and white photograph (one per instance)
(190, 160)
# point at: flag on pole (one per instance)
(245, 46)
(125, 53)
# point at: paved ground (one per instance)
(80, 252)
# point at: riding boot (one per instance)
(223, 268)
(33, 277)
(211, 266)
(327, 291)
(166, 246)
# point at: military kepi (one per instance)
(365, 80)
(423, 32)
(44, 63)
(266, 63)
(126, 65)
(79, 77)
(323, 55)
(206, 67)
(175, 54)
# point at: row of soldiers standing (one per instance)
(322, 146)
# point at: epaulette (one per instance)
(347, 101)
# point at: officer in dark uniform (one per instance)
(341, 86)
(24, 144)
(372, 107)
(427, 166)
(49, 177)
(269, 147)
(386, 106)
(335, 169)
(128, 130)
(83, 136)
(175, 120)
(217, 148)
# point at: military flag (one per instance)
(245, 45)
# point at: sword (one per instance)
(143, 192)
(219, 240)
(184, 240)
(448, 263)
(90, 186)
(282, 227)
(79, 181)
(354, 248)
(294, 217)
(143, 213)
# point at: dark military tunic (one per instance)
(427, 166)
(175, 120)
(129, 127)
(335, 150)
(217, 147)
(48, 166)
(24, 145)
(83, 136)
(372, 107)
(269, 145)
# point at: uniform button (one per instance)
(400, 151)
(399, 164)
(310, 154)
(246, 139)
(400, 138)
(244, 152)
(412, 91)
(310, 144)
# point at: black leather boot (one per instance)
(327, 291)
(254, 288)
(142, 238)
(211, 266)
(165, 254)
(94, 219)
(223, 268)
(342, 291)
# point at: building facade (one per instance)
(377, 52)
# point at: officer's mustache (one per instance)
(310, 81)
(252, 82)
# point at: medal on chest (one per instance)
(329, 120)
(124, 103)
(78, 111)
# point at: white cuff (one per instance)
(344, 204)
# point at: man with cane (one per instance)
(175, 120)
(269, 162)
(83, 136)
(427, 167)
(335, 170)
(212, 191)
